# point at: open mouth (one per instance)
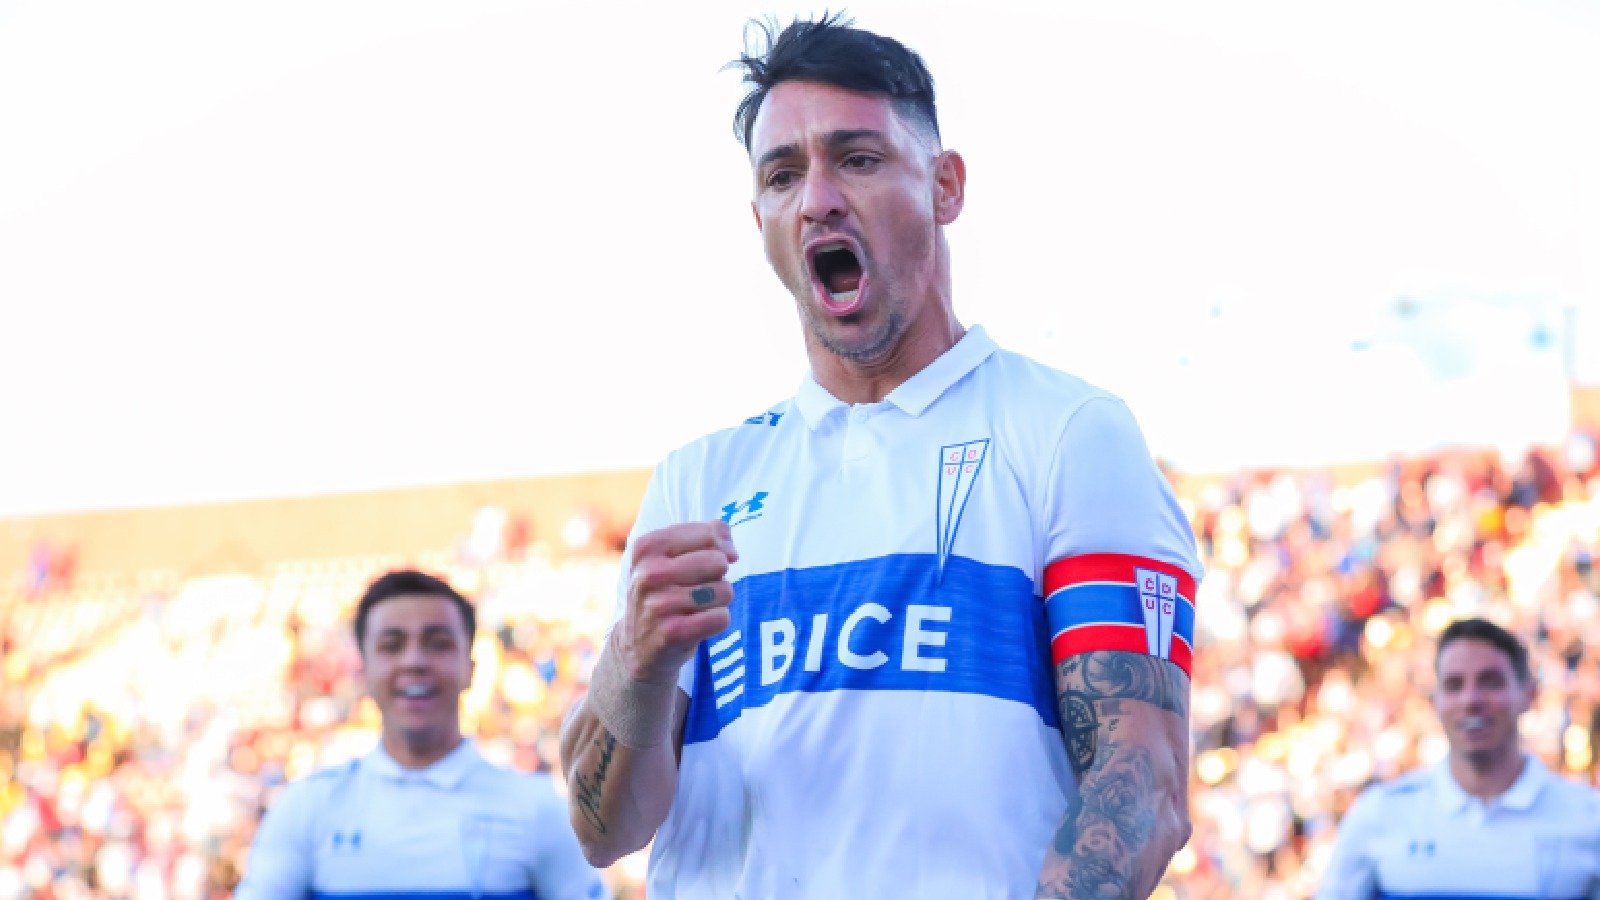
(416, 692)
(836, 266)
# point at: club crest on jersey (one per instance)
(959, 465)
(1158, 597)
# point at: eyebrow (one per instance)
(427, 631)
(831, 140)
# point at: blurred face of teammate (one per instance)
(418, 662)
(1479, 699)
(850, 199)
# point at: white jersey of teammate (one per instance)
(1422, 836)
(461, 828)
(879, 719)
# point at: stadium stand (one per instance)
(145, 721)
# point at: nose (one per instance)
(413, 657)
(821, 200)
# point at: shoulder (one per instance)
(1066, 412)
(300, 799)
(1384, 798)
(749, 434)
(1576, 800)
(1032, 384)
(1376, 804)
(323, 782)
(1412, 784)
(687, 476)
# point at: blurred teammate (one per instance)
(1489, 822)
(423, 815)
(948, 658)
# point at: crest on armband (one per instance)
(1158, 598)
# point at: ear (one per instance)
(950, 186)
(1526, 689)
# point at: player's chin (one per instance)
(423, 733)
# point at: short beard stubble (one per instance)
(879, 345)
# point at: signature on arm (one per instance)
(587, 792)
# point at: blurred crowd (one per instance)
(145, 723)
(1315, 628)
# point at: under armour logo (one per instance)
(739, 513)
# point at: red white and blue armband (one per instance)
(1109, 601)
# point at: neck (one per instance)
(924, 340)
(419, 751)
(1488, 778)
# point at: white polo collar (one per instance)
(1520, 796)
(918, 392)
(446, 774)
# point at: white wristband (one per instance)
(637, 713)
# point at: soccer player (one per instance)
(921, 630)
(1490, 821)
(423, 815)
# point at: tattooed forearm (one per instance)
(1097, 850)
(586, 792)
(1124, 717)
(1111, 674)
(1080, 725)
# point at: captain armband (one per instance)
(1111, 601)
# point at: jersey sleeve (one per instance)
(280, 863)
(1352, 872)
(655, 512)
(1120, 561)
(559, 871)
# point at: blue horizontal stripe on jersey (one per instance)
(424, 895)
(1386, 896)
(1111, 604)
(995, 642)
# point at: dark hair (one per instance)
(830, 51)
(409, 582)
(1491, 634)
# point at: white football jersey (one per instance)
(879, 720)
(1422, 836)
(461, 829)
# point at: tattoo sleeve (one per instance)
(1124, 717)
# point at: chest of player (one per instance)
(871, 481)
(878, 552)
(1494, 853)
(390, 835)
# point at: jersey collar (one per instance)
(446, 774)
(1525, 790)
(918, 392)
(1520, 796)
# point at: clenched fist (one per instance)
(678, 596)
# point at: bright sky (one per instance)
(251, 250)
